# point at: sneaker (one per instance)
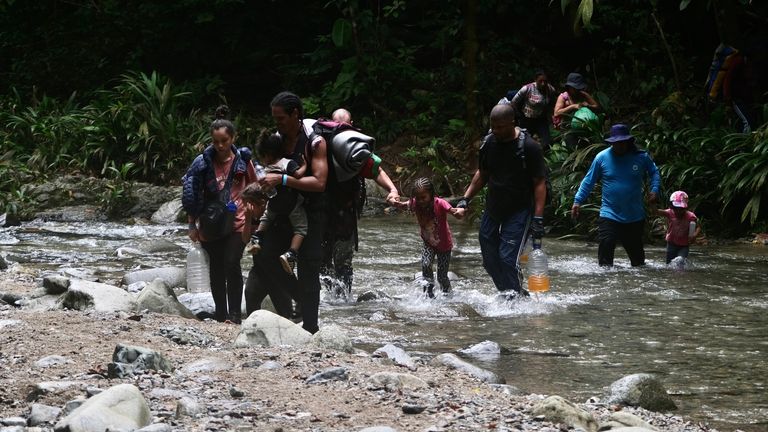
(429, 289)
(288, 260)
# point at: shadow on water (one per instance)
(702, 330)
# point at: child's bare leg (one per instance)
(296, 242)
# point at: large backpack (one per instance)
(721, 72)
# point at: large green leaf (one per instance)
(341, 33)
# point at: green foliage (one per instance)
(117, 197)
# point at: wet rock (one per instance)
(330, 374)
(483, 349)
(79, 213)
(3, 263)
(128, 359)
(397, 355)
(151, 246)
(41, 414)
(558, 410)
(332, 337)
(264, 328)
(121, 407)
(642, 390)
(454, 362)
(9, 220)
(159, 297)
(149, 198)
(370, 296)
(55, 284)
(172, 276)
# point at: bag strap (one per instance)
(230, 177)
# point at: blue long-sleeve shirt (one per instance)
(622, 179)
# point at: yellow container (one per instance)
(538, 283)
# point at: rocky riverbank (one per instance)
(216, 376)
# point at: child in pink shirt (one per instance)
(679, 233)
(431, 213)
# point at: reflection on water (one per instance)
(702, 331)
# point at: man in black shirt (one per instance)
(513, 167)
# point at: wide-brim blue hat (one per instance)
(619, 133)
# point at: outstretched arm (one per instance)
(384, 181)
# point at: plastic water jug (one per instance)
(691, 228)
(525, 253)
(198, 275)
(538, 269)
(260, 174)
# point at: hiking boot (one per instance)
(288, 260)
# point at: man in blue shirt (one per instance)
(622, 169)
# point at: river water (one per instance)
(703, 331)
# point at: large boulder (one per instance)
(454, 362)
(558, 410)
(172, 276)
(264, 328)
(168, 213)
(83, 295)
(642, 390)
(158, 297)
(121, 407)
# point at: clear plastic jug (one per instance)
(538, 269)
(198, 274)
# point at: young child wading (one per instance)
(679, 233)
(431, 213)
(285, 202)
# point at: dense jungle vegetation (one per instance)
(126, 89)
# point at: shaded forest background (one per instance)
(126, 89)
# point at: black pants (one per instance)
(609, 232)
(226, 275)
(268, 276)
(540, 127)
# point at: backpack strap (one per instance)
(520, 153)
(230, 177)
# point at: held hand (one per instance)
(575, 211)
(459, 213)
(537, 227)
(393, 197)
(462, 203)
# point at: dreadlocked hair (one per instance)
(289, 102)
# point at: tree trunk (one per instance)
(470, 66)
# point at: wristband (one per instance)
(285, 179)
(192, 225)
(538, 218)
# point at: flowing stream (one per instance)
(703, 331)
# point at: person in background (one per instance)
(574, 98)
(512, 165)
(679, 233)
(534, 104)
(622, 169)
(431, 212)
(348, 197)
(220, 166)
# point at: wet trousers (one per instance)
(609, 232)
(500, 245)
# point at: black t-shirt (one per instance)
(510, 179)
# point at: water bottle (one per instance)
(198, 275)
(525, 253)
(691, 229)
(538, 277)
(260, 174)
